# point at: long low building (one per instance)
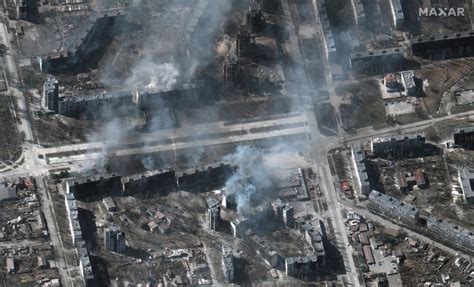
(329, 43)
(443, 47)
(152, 183)
(143, 98)
(398, 18)
(379, 61)
(77, 240)
(359, 12)
(464, 137)
(409, 215)
(393, 208)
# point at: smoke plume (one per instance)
(249, 185)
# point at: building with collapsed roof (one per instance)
(267, 253)
(312, 231)
(228, 263)
(464, 137)
(378, 61)
(251, 220)
(443, 47)
(284, 213)
(142, 98)
(213, 214)
(50, 96)
(464, 97)
(300, 265)
(359, 12)
(82, 46)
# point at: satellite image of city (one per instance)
(148, 143)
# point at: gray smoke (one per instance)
(250, 183)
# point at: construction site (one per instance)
(256, 142)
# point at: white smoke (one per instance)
(251, 181)
(160, 76)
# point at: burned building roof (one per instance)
(204, 178)
(93, 185)
(358, 8)
(228, 264)
(378, 61)
(149, 184)
(76, 105)
(443, 47)
(403, 146)
(88, 34)
(464, 97)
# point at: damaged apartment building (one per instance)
(379, 61)
(91, 104)
(329, 44)
(393, 148)
(278, 214)
(248, 63)
(80, 48)
(410, 216)
(401, 147)
(77, 240)
(150, 184)
(464, 138)
(444, 47)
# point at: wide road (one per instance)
(182, 138)
(319, 144)
(399, 129)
